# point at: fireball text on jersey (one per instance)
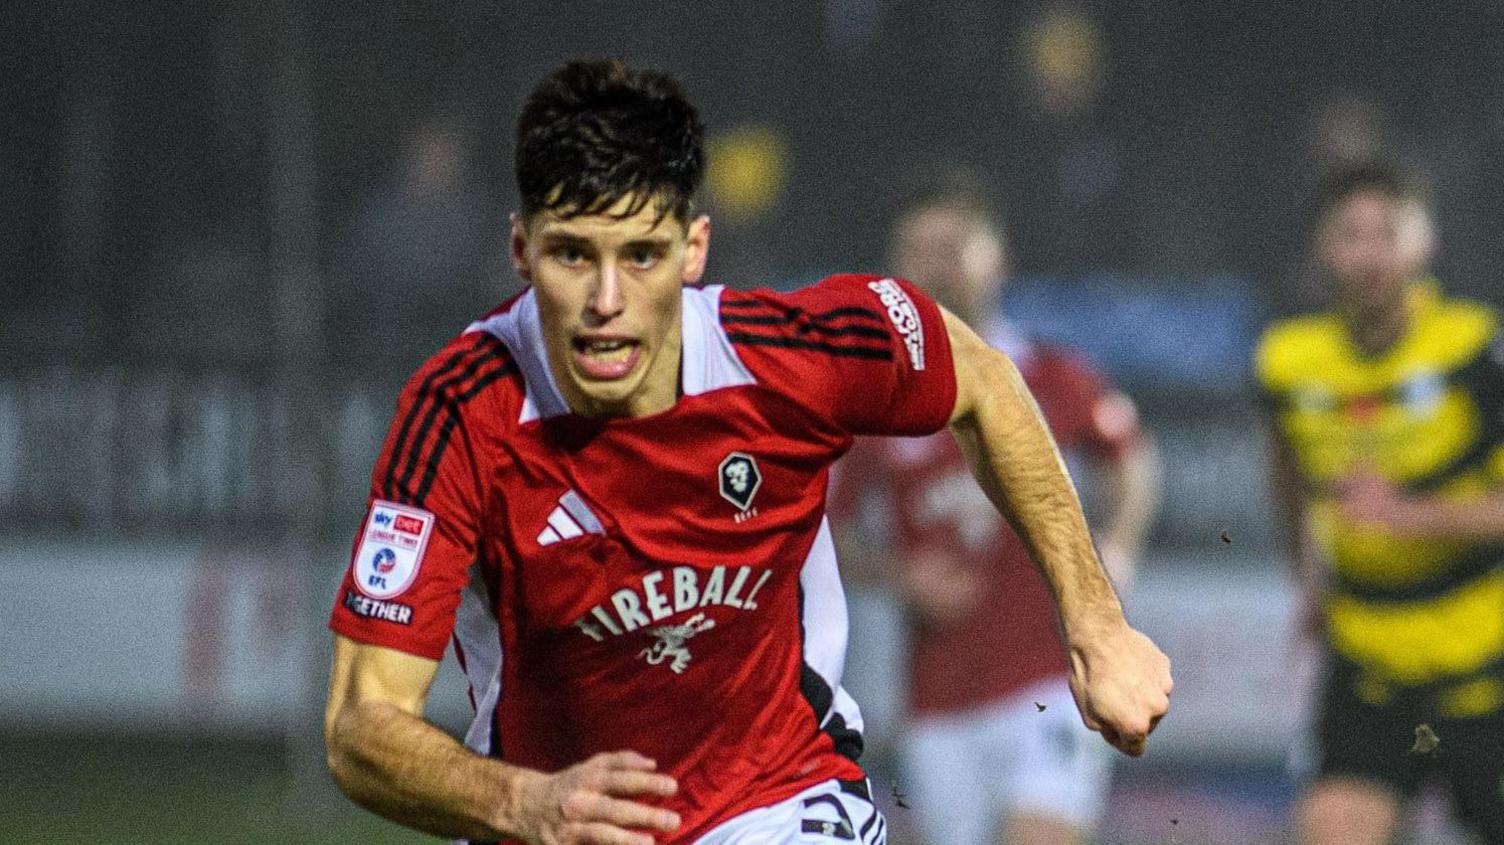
(634, 609)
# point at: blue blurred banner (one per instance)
(1160, 334)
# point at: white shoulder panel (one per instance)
(521, 330)
(710, 362)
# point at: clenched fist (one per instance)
(1122, 684)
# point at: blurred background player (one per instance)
(1388, 415)
(992, 749)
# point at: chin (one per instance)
(607, 397)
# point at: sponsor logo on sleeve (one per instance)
(391, 550)
(408, 524)
(386, 611)
(904, 316)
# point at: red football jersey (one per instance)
(664, 583)
(931, 507)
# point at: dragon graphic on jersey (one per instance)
(671, 642)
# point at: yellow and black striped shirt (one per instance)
(1427, 415)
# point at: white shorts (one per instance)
(967, 771)
(827, 813)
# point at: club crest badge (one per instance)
(739, 478)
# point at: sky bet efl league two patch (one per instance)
(391, 549)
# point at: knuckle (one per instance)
(576, 805)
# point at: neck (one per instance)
(660, 389)
(1376, 330)
(971, 310)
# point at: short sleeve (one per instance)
(1269, 399)
(411, 557)
(868, 354)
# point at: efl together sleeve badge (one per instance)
(391, 549)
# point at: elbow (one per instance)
(341, 726)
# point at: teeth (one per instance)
(608, 350)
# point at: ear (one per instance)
(519, 248)
(697, 249)
(1427, 237)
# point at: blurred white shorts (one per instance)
(966, 772)
(828, 813)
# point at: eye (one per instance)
(569, 255)
(642, 257)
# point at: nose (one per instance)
(606, 301)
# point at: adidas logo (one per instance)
(569, 519)
(560, 527)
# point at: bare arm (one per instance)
(1287, 489)
(1368, 498)
(1120, 679)
(388, 759)
(1133, 488)
(1308, 566)
(1480, 519)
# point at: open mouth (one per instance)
(605, 358)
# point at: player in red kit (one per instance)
(609, 494)
(991, 748)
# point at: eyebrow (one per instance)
(557, 239)
(660, 242)
(563, 239)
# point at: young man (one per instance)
(1389, 425)
(992, 749)
(609, 493)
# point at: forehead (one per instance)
(611, 224)
(938, 221)
(1369, 205)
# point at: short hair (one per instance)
(597, 130)
(958, 190)
(1381, 176)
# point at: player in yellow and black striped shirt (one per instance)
(1388, 416)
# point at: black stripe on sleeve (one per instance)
(425, 390)
(447, 429)
(794, 312)
(848, 311)
(434, 403)
(875, 353)
(805, 327)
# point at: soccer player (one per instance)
(609, 494)
(992, 749)
(1388, 416)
